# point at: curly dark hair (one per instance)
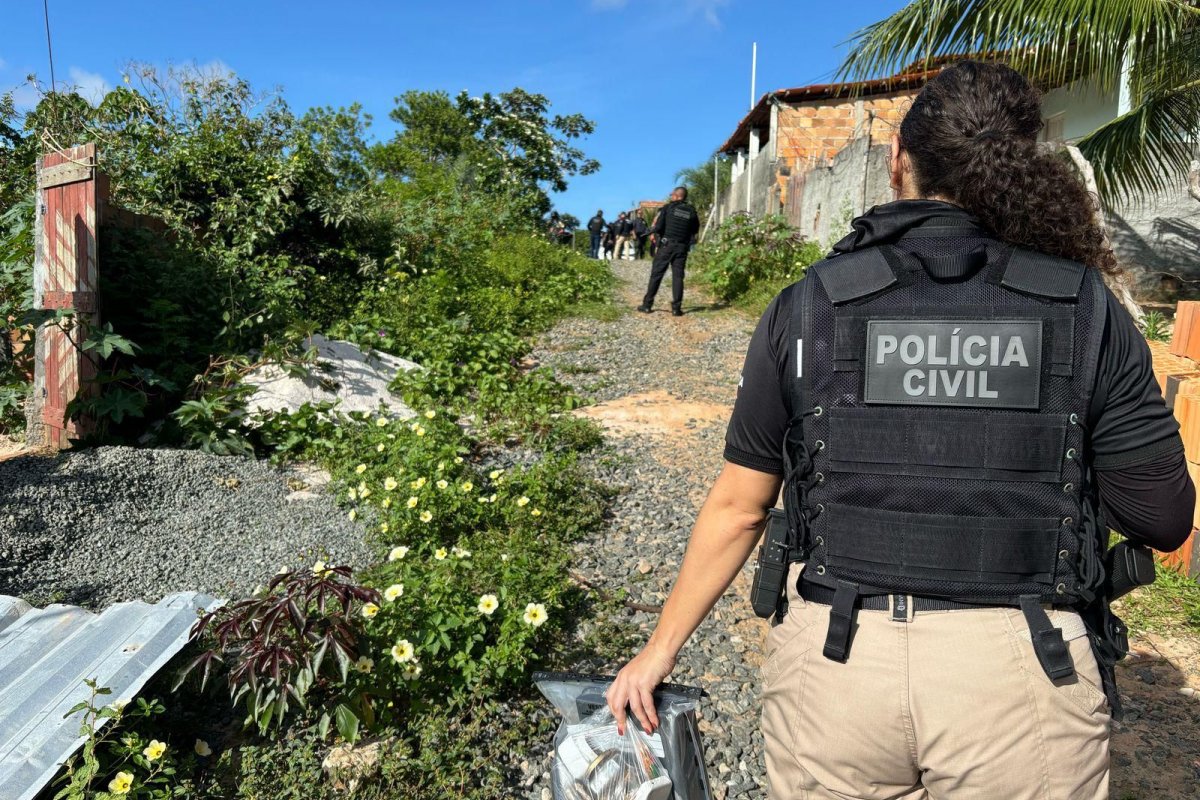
(971, 137)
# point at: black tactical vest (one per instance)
(678, 221)
(938, 442)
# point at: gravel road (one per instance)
(100, 526)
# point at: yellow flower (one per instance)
(442, 484)
(390, 483)
(420, 431)
(381, 422)
(460, 552)
(379, 448)
(118, 705)
(402, 651)
(202, 749)
(321, 570)
(397, 553)
(496, 473)
(468, 486)
(364, 665)
(154, 750)
(121, 784)
(492, 498)
(411, 671)
(440, 554)
(414, 426)
(426, 516)
(522, 501)
(363, 491)
(369, 610)
(393, 592)
(430, 414)
(353, 493)
(384, 527)
(537, 512)
(441, 466)
(535, 614)
(412, 502)
(387, 502)
(360, 469)
(353, 515)
(418, 483)
(458, 459)
(487, 604)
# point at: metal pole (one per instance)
(753, 72)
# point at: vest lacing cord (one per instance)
(801, 477)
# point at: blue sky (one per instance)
(665, 80)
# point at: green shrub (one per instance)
(748, 259)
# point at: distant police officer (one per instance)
(961, 411)
(595, 228)
(674, 230)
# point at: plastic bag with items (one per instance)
(594, 762)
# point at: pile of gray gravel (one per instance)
(100, 526)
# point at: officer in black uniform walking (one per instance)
(961, 411)
(674, 231)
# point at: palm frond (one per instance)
(1052, 41)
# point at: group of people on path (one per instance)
(624, 237)
(670, 236)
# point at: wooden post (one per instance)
(70, 203)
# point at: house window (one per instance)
(1053, 130)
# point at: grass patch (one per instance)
(598, 310)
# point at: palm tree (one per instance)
(1155, 42)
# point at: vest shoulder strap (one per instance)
(1041, 275)
(854, 275)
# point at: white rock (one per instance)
(1188, 691)
(357, 381)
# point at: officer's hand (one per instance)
(634, 686)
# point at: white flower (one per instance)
(118, 705)
(411, 671)
(381, 422)
(460, 552)
(393, 592)
(458, 459)
(202, 749)
(505, 556)
(442, 484)
(390, 483)
(430, 414)
(364, 665)
(360, 469)
(352, 493)
(535, 614)
(537, 512)
(467, 486)
(379, 448)
(353, 515)
(426, 516)
(496, 473)
(363, 491)
(397, 553)
(522, 501)
(418, 483)
(320, 569)
(402, 651)
(420, 431)
(440, 554)
(369, 610)
(412, 501)
(487, 604)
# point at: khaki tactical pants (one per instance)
(949, 705)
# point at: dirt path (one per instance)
(663, 388)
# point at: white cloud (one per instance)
(26, 96)
(89, 85)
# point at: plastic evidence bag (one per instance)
(593, 762)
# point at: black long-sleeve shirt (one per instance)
(1141, 473)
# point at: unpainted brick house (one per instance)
(818, 154)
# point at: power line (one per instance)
(49, 49)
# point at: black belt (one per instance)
(879, 602)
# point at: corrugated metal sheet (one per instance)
(45, 654)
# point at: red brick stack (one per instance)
(1177, 368)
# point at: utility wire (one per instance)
(49, 48)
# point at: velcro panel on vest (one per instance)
(992, 550)
(851, 276)
(951, 444)
(1042, 275)
(850, 336)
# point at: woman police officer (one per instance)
(961, 410)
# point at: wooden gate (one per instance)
(71, 200)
